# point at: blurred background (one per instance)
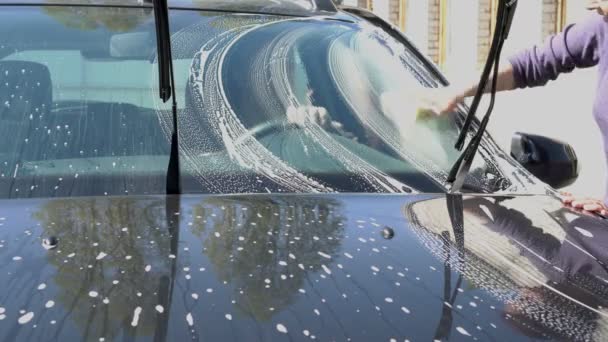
(456, 35)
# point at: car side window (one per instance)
(73, 122)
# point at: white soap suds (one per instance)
(136, 314)
(26, 318)
(584, 232)
(189, 319)
(462, 331)
(101, 255)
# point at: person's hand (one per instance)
(591, 205)
(303, 114)
(318, 116)
(440, 101)
(420, 104)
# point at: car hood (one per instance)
(330, 267)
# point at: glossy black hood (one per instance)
(327, 267)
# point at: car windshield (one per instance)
(266, 104)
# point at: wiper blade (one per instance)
(456, 177)
(167, 89)
(505, 13)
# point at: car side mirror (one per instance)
(552, 161)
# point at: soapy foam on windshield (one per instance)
(206, 80)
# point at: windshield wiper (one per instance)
(167, 89)
(460, 169)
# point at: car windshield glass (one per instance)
(266, 104)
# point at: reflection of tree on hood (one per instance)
(88, 227)
(289, 228)
(115, 19)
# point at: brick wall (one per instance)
(484, 31)
(393, 11)
(434, 49)
(550, 21)
(362, 3)
(549, 24)
(550, 17)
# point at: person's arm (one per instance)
(505, 81)
(445, 100)
(577, 46)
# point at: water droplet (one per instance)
(49, 304)
(136, 314)
(326, 269)
(228, 317)
(462, 331)
(26, 318)
(93, 294)
(189, 319)
(584, 232)
(160, 309)
(281, 328)
(42, 286)
(326, 256)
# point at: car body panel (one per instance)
(284, 7)
(281, 267)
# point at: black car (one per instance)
(313, 199)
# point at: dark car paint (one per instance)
(290, 267)
(297, 267)
(283, 7)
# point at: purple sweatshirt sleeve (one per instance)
(575, 47)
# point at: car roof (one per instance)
(286, 7)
